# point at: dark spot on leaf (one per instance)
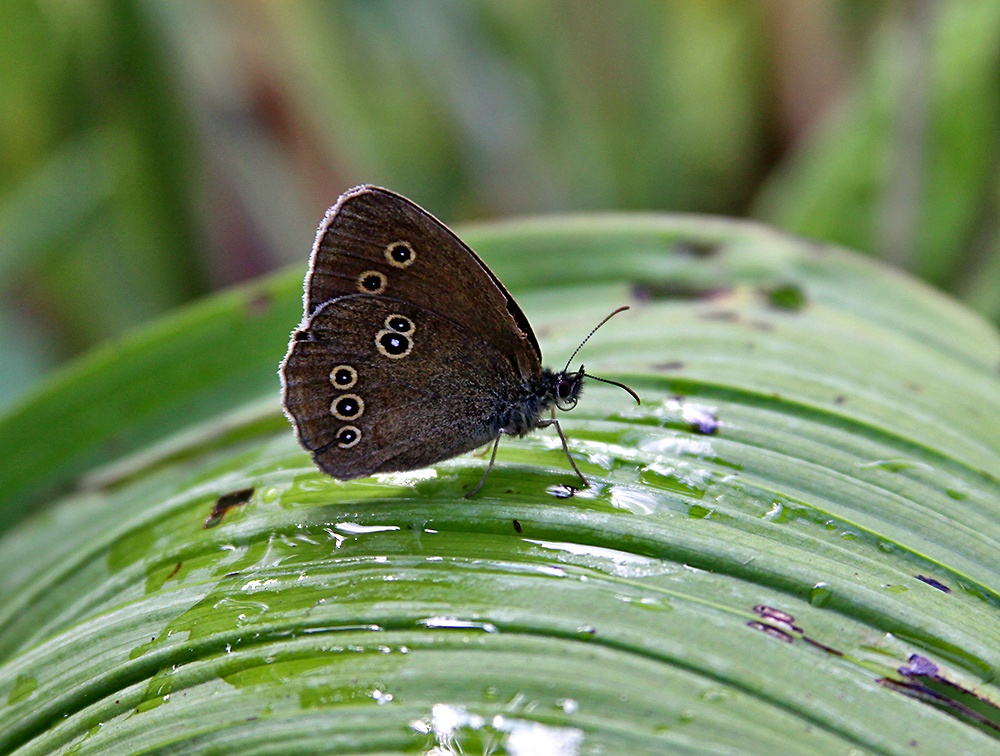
(667, 366)
(226, 502)
(923, 680)
(697, 248)
(839, 399)
(786, 296)
(259, 303)
(175, 570)
(780, 625)
(933, 583)
(771, 612)
(772, 631)
(676, 290)
(822, 646)
(724, 316)
(517, 526)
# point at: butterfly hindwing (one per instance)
(373, 383)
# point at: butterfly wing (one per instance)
(377, 384)
(374, 241)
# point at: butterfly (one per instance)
(410, 350)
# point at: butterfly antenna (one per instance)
(588, 375)
(620, 309)
(614, 383)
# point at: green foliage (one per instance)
(854, 476)
(152, 151)
(97, 219)
(907, 167)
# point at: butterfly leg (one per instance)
(493, 456)
(565, 446)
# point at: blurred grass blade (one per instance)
(71, 180)
(843, 184)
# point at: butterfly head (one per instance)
(567, 388)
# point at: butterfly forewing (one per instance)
(376, 242)
(374, 383)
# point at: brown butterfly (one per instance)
(410, 350)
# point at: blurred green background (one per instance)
(151, 151)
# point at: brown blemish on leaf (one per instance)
(775, 614)
(781, 625)
(723, 316)
(923, 680)
(259, 303)
(675, 290)
(225, 503)
(772, 631)
(698, 248)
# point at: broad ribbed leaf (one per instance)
(806, 499)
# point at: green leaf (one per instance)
(806, 499)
